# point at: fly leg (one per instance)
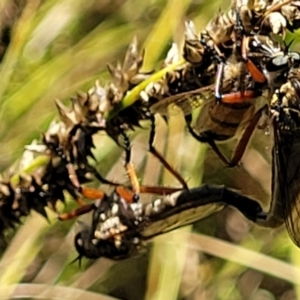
(256, 74)
(88, 169)
(87, 192)
(135, 185)
(129, 195)
(91, 194)
(77, 212)
(244, 140)
(205, 139)
(73, 177)
(242, 143)
(153, 150)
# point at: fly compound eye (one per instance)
(84, 245)
(79, 244)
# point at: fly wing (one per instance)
(188, 206)
(286, 175)
(185, 102)
(176, 219)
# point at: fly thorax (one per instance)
(234, 72)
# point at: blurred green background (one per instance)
(60, 47)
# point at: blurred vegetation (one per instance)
(60, 47)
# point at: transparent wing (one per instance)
(286, 162)
(184, 102)
(179, 219)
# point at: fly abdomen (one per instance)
(221, 121)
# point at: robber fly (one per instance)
(120, 227)
(222, 114)
(285, 205)
(238, 98)
(285, 113)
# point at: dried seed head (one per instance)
(193, 50)
(220, 28)
(172, 55)
(276, 22)
(291, 11)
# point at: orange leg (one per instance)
(77, 212)
(129, 195)
(238, 97)
(135, 185)
(243, 142)
(95, 194)
(153, 150)
(158, 190)
(91, 193)
(133, 196)
(257, 75)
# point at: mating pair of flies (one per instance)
(238, 84)
(244, 85)
(121, 223)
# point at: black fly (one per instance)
(285, 205)
(120, 229)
